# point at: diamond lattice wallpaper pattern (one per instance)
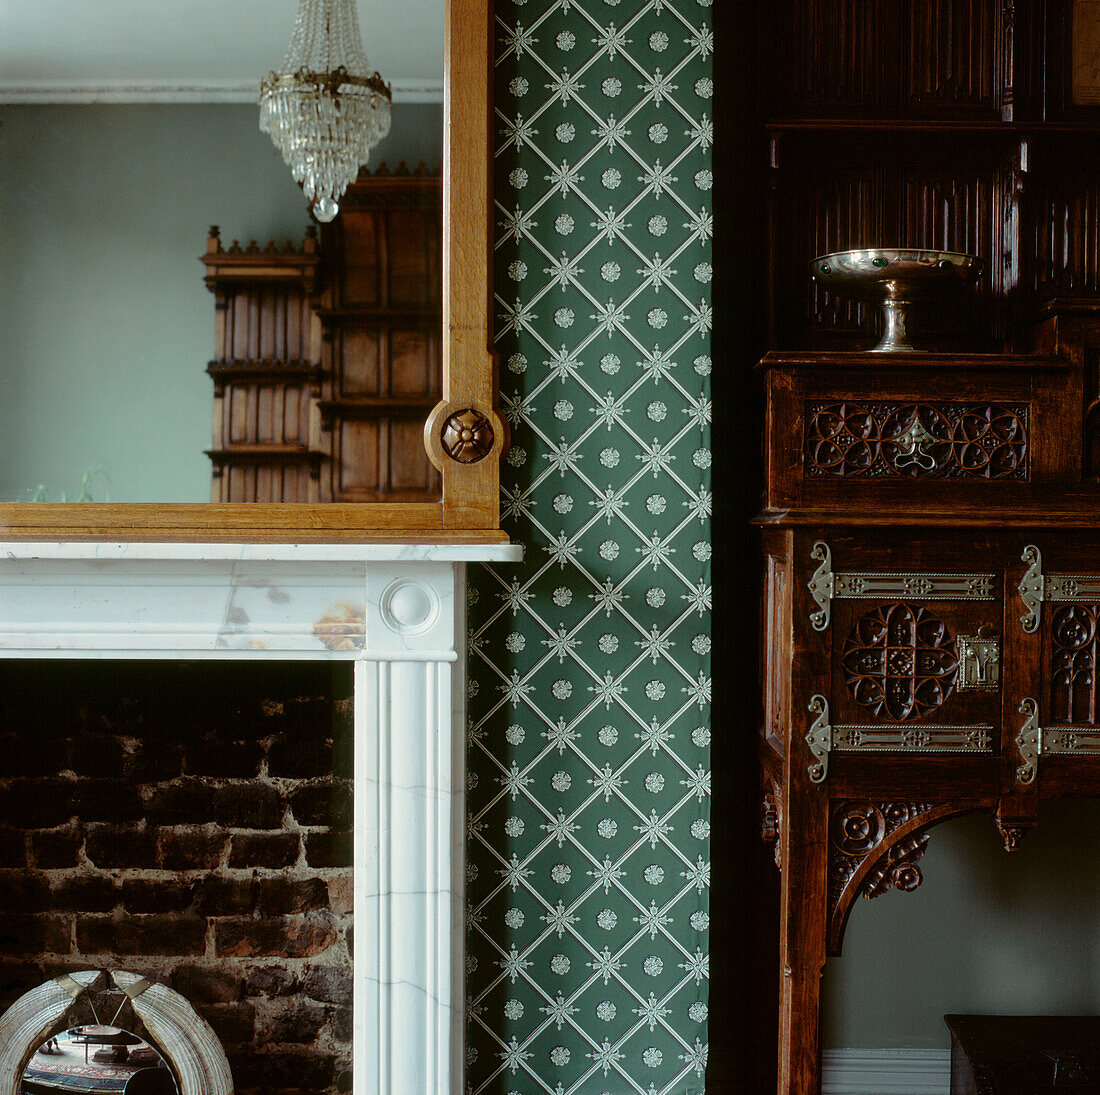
(589, 706)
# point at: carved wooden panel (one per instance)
(382, 311)
(873, 848)
(868, 57)
(266, 373)
(947, 208)
(907, 192)
(1062, 229)
(1073, 643)
(880, 439)
(952, 57)
(831, 56)
(900, 662)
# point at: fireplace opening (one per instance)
(189, 822)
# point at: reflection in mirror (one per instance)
(97, 1059)
(108, 326)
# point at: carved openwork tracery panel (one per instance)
(950, 440)
(1073, 651)
(875, 847)
(900, 661)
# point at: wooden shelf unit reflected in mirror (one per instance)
(463, 434)
(328, 359)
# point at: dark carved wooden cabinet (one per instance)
(931, 521)
(329, 358)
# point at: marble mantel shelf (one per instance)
(229, 552)
(398, 613)
(150, 600)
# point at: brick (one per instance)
(86, 893)
(283, 937)
(142, 895)
(121, 846)
(326, 802)
(299, 1023)
(13, 848)
(145, 935)
(96, 755)
(264, 850)
(341, 894)
(343, 754)
(247, 1067)
(233, 1023)
(34, 934)
(182, 802)
(248, 806)
(156, 760)
(215, 757)
(326, 849)
(226, 896)
(298, 1070)
(330, 984)
(37, 803)
(191, 849)
(106, 800)
(54, 849)
(24, 891)
(269, 981)
(16, 978)
(292, 757)
(22, 754)
(206, 986)
(285, 895)
(341, 1024)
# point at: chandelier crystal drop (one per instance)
(324, 109)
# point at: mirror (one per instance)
(97, 1059)
(106, 197)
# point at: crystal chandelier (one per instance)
(324, 109)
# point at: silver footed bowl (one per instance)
(896, 279)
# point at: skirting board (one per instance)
(886, 1072)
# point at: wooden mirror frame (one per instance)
(465, 436)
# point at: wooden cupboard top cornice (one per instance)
(470, 510)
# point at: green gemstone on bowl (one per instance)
(878, 262)
(825, 268)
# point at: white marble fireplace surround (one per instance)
(398, 612)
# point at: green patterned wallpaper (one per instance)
(589, 775)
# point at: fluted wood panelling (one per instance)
(833, 55)
(265, 323)
(953, 54)
(1064, 230)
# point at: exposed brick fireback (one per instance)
(188, 822)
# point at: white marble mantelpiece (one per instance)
(398, 612)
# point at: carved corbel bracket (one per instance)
(1013, 832)
(873, 848)
(771, 819)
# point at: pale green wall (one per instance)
(986, 933)
(105, 324)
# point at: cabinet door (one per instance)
(913, 631)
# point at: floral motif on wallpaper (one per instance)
(589, 706)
